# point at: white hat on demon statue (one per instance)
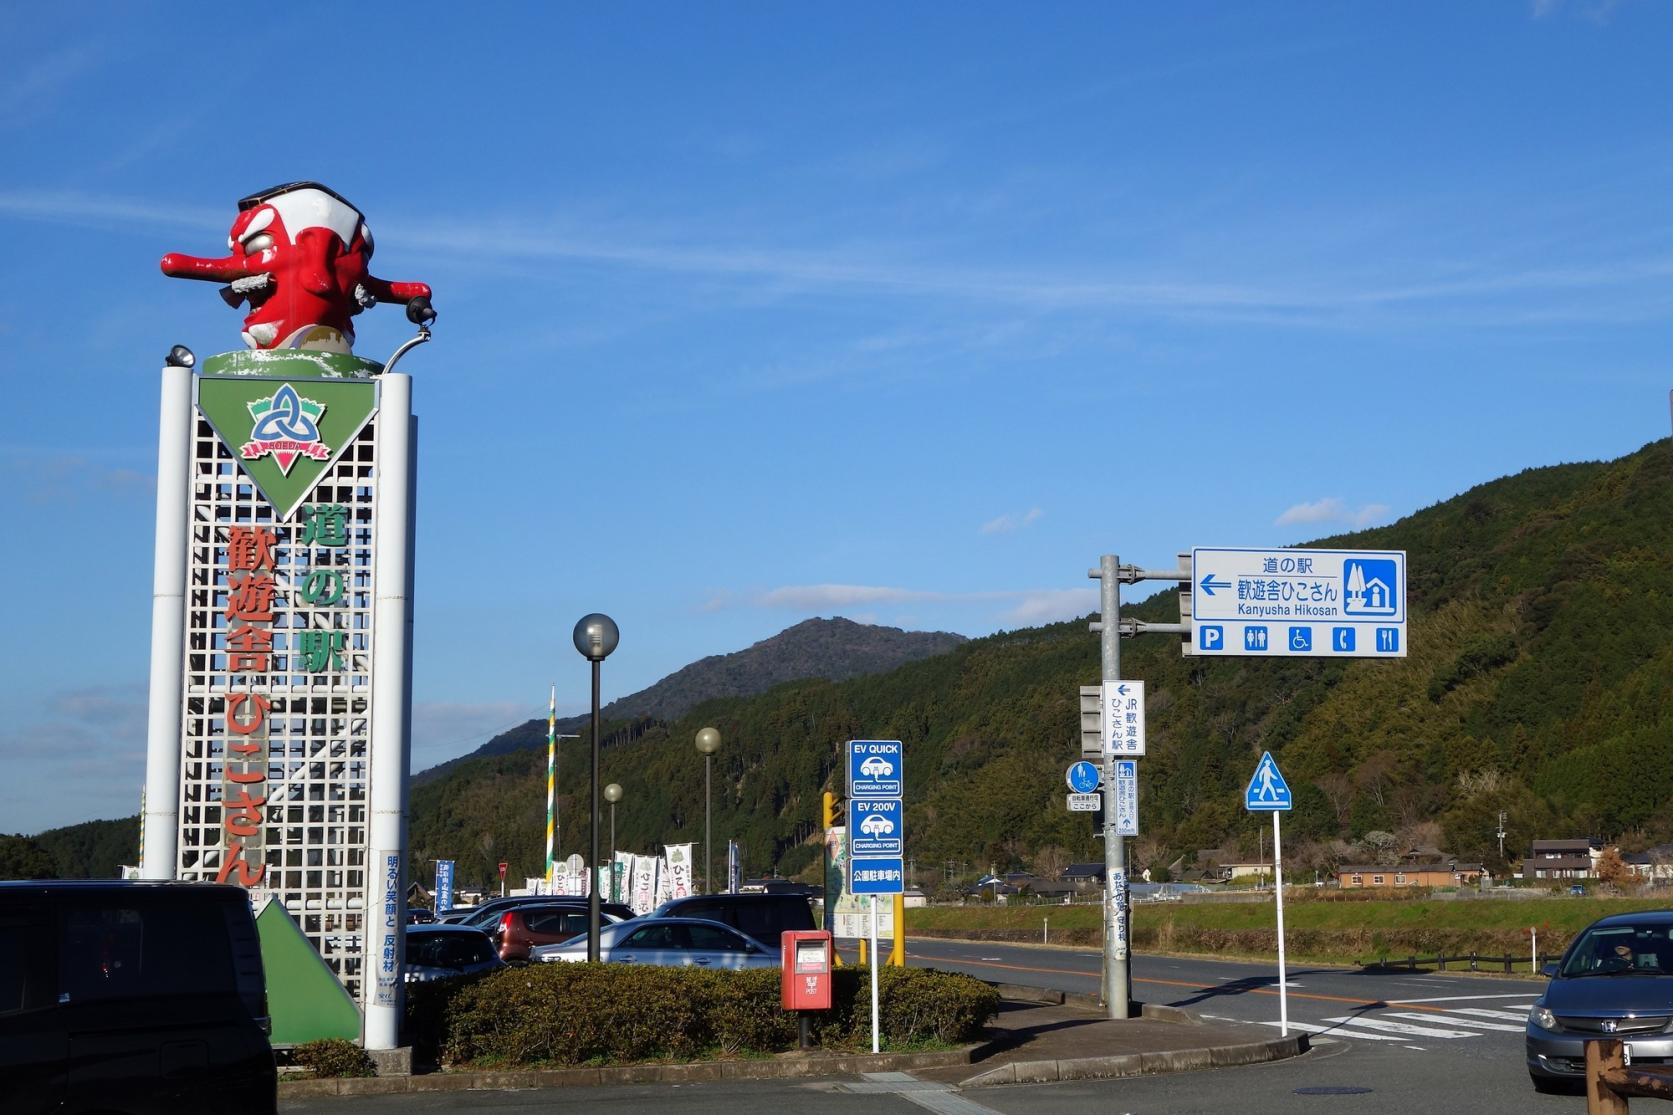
(299, 253)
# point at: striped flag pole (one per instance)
(551, 774)
(142, 826)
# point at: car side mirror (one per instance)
(1549, 971)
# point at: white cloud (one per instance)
(442, 730)
(1007, 523)
(1332, 509)
(1053, 605)
(1370, 513)
(1319, 511)
(82, 758)
(819, 597)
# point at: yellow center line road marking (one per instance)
(1197, 986)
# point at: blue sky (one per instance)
(754, 312)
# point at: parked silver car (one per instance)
(1615, 980)
(437, 952)
(668, 942)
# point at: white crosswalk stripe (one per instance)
(1483, 1012)
(1472, 1023)
(1375, 1022)
(1332, 1031)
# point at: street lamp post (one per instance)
(708, 742)
(596, 635)
(613, 794)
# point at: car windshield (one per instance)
(1609, 950)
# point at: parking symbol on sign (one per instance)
(1211, 636)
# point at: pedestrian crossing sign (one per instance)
(1267, 792)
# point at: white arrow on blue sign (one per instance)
(1267, 792)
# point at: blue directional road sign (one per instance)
(877, 876)
(1296, 603)
(874, 768)
(1083, 777)
(1267, 792)
(1126, 797)
(876, 827)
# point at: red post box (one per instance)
(805, 969)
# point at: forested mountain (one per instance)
(1539, 682)
(834, 649)
(90, 850)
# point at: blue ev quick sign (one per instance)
(874, 768)
(876, 827)
(1298, 603)
(876, 876)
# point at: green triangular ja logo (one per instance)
(286, 433)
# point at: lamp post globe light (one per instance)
(613, 794)
(596, 635)
(708, 742)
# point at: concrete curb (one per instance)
(1140, 1064)
(786, 1066)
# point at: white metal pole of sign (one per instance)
(391, 707)
(161, 814)
(1269, 793)
(871, 900)
(1278, 887)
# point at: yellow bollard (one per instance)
(897, 954)
(863, 943)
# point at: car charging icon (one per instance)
(877, 767)
(877, 825)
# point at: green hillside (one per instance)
(1538, 683)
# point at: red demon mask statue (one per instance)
(299, 256)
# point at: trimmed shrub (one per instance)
(565, 1014)
(333, 1057)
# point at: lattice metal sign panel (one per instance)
(277, 692)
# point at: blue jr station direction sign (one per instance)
(1298, 603)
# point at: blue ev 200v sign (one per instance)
(874, 767)
(876, 826)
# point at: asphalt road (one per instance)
(1472, 1018)
(1389, 1043)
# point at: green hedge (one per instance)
(567, 1014)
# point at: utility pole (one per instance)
(1501, 835)
(1110, 575)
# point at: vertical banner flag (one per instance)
(559, 883)
(644, 884)
(679, 870)
(664, 881)
(620, 875)
(444, 885)
(551, 772)
(734, 867)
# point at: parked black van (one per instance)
(762, 916)
(132, 998)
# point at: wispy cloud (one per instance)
(1019, 606)
(1141, 287)
(442, 730)
(1007, 523)
(88, 744)
(31, 88)
(63, 477)
(1332, 509)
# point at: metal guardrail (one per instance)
(1505, 962)
(1610, 1080)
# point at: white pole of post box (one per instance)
(1278, 884)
